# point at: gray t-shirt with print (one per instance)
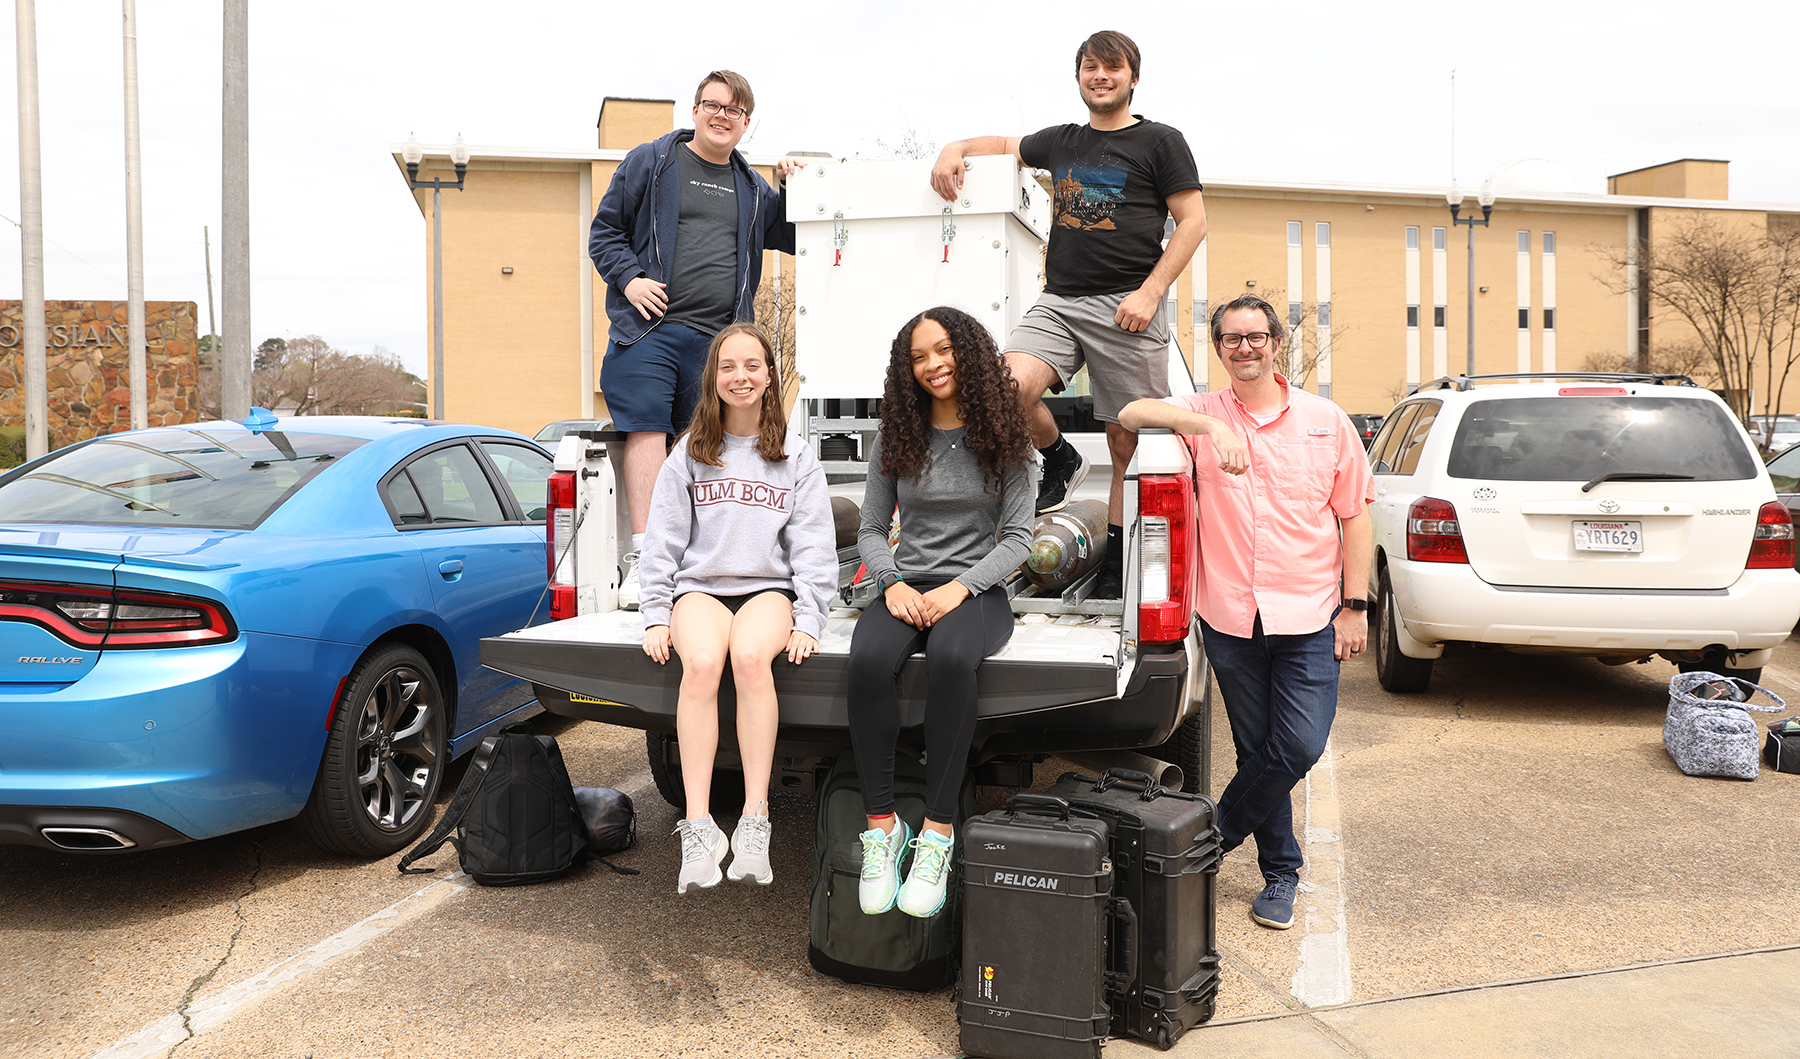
(703, 276)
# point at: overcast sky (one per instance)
(1293, 91)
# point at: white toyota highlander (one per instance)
(1615, 516)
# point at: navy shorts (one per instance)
(652, 385)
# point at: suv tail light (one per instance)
(1166, 568)
(110, 619)
(1772, 546)
(559, 544)
(1432, 533)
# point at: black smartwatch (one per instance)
(889, 580)
(1356, 604)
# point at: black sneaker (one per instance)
(1274, 907)
(1110, 584)
(1060, 481)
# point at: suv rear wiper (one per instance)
(1637, 476)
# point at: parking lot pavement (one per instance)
(1519, 819)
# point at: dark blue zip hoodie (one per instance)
(634, 229)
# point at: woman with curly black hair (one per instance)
(955, 455)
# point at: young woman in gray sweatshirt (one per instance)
(956, 458)
(738, 565)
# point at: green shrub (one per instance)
(12, 446)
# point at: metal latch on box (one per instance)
(840, 234)
(949, 234)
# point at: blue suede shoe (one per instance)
(1274, 907)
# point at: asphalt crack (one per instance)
(201, 981)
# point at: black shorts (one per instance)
(736, 603)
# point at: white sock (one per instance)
(637, 542)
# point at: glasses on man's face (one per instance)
(1257, 340)
(711, 109)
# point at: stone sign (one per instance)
(87, 372)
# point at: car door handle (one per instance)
(451, 569)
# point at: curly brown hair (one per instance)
(993, 421)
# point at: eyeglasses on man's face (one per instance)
(1257, 340)
(712, 109)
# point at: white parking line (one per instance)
(1324, 975)
(1771, 673)
(204, 1015)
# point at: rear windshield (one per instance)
(1579, 439)
(217, 479)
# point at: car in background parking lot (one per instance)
(1366, 426)
(209, 627)
(1614, 516)
(553, 432)
(1774, 435)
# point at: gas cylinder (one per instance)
(847, 518)
(1067, 544)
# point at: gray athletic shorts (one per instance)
(1067, 331)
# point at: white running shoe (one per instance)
(750, 849)
(702, 851)
(880, 883)
(922, 895)
(628, 585)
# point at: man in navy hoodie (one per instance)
(678, 238)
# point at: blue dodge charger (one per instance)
(214, 626)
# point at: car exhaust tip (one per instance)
(86, 839)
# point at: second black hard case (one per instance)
(1165, 857)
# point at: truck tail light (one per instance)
(559, 544)
(1772, 546)
(109, 619)
(1166, 568)
(1432, 533)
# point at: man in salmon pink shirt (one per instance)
(1284, 550)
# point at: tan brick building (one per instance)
(1376, 275)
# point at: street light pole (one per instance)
(33, 327)
(1486, 198)
(137, 360)
(413, 154)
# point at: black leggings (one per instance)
(954, 647)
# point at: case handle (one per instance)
(1120, 982)
(1145, 783)
(1038, 805)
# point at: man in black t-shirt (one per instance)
(1116, 180)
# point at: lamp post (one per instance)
(1486, 198)
(413, 154)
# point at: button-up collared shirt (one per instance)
(1269, 541)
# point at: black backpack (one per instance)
(892, 949)
(517, 819)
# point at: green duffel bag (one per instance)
(892, 949)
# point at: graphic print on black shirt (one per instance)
(1087, 194)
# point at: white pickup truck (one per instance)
(874, 246)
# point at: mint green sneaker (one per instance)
(880, 883)
(922, 895)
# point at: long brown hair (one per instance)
(707, 431)
(993, 423)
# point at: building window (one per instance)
(1324, 232)
(1549, 243)
(1412, 237)
(1524, 319)
(1325, 315)
(1437, 238)
(1293, 314)
(1524, 242)
(1293, 233)
(1437, 312)
(1412, 316)
(1549, 319)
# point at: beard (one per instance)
(1113, 106)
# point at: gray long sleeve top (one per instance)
(952, 525)
(748, 526)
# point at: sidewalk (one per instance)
(1724, 1007)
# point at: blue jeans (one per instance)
(1281, 696)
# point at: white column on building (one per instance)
(1631, 292)
(1322, 319)
(1524, 285)
(584, 197)
(1440, 305)
(1549, 301)
(1412, 306)
(1295, 344)
(1202, 320)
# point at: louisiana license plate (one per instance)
(1609, 536)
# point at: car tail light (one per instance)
(1433, 534)
(1166, 567)
(1591, 391)
(559, 544)
(109, 619)
(1772, 546)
